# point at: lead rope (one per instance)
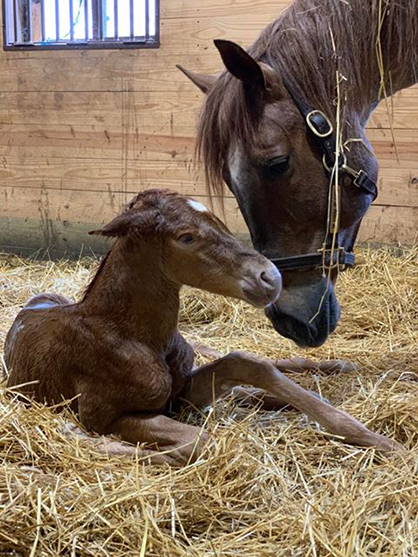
(331, 243)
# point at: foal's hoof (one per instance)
(337, 366)
(388, 446)
(116, 448)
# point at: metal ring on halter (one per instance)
(343, 166)
(314, 129)
(356, 174)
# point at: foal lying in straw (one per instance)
(119, 354)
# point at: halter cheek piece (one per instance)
(332, 255)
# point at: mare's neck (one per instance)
(132, 294)
(395, 54)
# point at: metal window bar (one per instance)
(27, 24)
(146, 19)
(57, 20)
(116, 18)
(43, 20)
(71, 20)
(15, 19)
(131, 17)
(86, 20)
(26, 20)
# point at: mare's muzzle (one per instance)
(306, 316)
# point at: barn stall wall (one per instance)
(82, 131)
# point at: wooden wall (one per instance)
(81, 131)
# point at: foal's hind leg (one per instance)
(220, 377)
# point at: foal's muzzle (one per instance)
(261, 284)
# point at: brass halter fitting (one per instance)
(315, 127)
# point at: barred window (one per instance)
(49, 24)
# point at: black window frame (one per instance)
(101, 44)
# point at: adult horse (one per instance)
(284, 127)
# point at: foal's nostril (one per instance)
(267, 280)
(271, 280)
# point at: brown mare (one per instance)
(256, 134)
(119, 354)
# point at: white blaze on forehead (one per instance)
(197, 206)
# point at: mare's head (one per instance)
(190, 245)
(253, 137)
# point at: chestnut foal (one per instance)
(119, 354)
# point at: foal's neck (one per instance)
(133, 295)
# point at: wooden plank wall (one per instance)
(81, 131)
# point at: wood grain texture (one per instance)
(151, 110)
(398, 187)
(82, 131)
(59, 220)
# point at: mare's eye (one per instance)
(277, 165)
(186, 239)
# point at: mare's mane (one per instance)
(307, 45)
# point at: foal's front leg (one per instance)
(171, 441)
(216, 379)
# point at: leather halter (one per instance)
(332, 254)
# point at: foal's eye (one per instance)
(186, 239)
(277, 165)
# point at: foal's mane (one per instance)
(306, 46)
(98, 272)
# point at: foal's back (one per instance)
(62, 351)
(37, 343)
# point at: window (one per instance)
(48, 24)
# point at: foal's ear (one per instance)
(204, 81)
(240, 64)
(119, 226)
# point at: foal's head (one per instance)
(192, 246)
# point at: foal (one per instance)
(118, 354)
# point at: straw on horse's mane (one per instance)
(306, 46)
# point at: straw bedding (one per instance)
(271, 483)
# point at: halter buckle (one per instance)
(337, 258)
(316, 126)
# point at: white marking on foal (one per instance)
(197, 206)
(42, 305)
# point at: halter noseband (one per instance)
(332, 254)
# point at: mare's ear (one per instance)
(240, 64)
(203, 81)
(119, 226)
(252, 73)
